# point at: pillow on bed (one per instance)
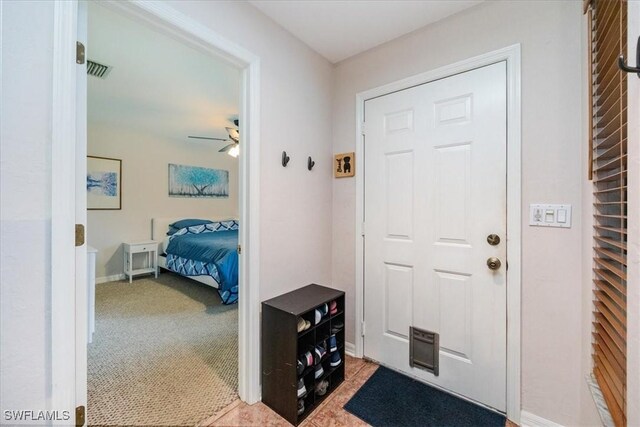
(184, 223)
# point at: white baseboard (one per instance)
(350, 349)
(106, 279)
(527, 419)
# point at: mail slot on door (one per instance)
(424, 350)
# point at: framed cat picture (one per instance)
(344, 165)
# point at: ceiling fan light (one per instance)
(234, 151)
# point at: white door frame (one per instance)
(511, 55)
(63, 317)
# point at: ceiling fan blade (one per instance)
(226, 148)
(209, 138)
(233, 134)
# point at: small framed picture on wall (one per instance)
(104, 183)
(344, 165)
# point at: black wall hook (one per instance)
(310, 163)
(623, 65)
(285, 159)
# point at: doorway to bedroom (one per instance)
(163, 150)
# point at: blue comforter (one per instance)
(219, 248)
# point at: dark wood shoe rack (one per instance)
(282, 345)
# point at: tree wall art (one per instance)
(194, 181)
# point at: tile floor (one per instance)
(329, 414)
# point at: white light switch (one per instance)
(544, 215)
(549, 215)
(562, 216)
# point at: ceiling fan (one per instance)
(232, 149)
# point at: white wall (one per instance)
(145, 158)
(295, 203)
(25, 208)
(553, 339)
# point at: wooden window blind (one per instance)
(608, 170)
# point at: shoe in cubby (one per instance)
(335, 359)
(332, 343)
(321, 387)
(319, 371)
(336, 326)
(302, 389)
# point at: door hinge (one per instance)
(79, 234)
(362, 230)
(239, 249)
(80, 416)
(79, 53)
(362, 128)
(363, 328)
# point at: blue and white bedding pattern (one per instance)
(208, 249)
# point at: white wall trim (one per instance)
(112, 278)
(527, 419)
(63, 208)
(350, 349)
(511, 55)
(168, 20)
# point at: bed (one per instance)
(203, 250)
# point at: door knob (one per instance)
(493, 239)
(493, 263)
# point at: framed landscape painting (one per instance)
(104, 183)
(194, 181)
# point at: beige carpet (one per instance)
(165, 352)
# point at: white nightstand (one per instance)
(148, 247)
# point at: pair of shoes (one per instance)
(319, 371)
(333, 344)
(335, 355)
(336, 327)
(321, 312)
(320, 352)
(302, 390)
(303, 325)
(321, 387)
(304, 361)
(335, 359)
(300, 406)
(333, 307)
(324, 309)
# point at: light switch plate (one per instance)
(546, 215)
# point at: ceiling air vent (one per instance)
(98, 70)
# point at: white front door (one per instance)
(435, 188)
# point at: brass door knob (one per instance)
(493, 263)
(493, 239)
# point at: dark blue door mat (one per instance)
(392, 399)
